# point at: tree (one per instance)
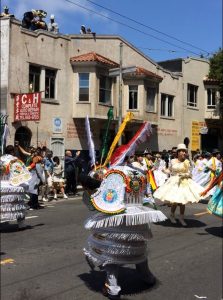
(216, 72)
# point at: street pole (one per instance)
(120, 90)
(37, 134)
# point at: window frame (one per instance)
(192, 90)
(211, 105)
(34, 75)
(167, 106)
(106, 89)
(135, 99)
(51, 78)
(84, 87)
(42, 80)
(154, 89)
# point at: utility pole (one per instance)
(120, 90)
(37, 133)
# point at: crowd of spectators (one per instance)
(50, 178)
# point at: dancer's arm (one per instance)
(214, 182)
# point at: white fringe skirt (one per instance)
(121, 239)
(12, 205)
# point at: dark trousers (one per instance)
(71, 184)
(33, 202)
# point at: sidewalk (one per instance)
(78, 195)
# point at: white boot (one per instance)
(181, 220)
(21, 223)
(65, 196)
(172, 219)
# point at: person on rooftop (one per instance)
(5, 12)
(83, 29)
(53, 26)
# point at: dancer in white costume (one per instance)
(14, 175)
(200, 173)
(121, 230)
(179, 189)
(160, 171)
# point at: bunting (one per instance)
(129, 149)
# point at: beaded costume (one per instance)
(120, 232)
(14, 175)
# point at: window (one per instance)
(42, 79)
(105, 90)
(151, 99)
(34, 78)
(192, 95)
(166, 105)
(133, 96)
(211, 95)
(50, 78)
(83, 86)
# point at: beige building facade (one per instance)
(78, 75)
(201, 122)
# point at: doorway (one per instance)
(23, 135)
(57, 146)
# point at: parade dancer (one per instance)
(200, 173)
(215, 205)
(214, 166)
(14, 176)
(159, 170)
(179, 189)
(120, 231)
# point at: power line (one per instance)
(131, 27)
(144, 25)
(155, 49)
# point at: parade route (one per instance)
(45, 260)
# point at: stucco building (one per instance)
(78, 75)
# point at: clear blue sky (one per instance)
(196, 22)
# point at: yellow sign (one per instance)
(195, 134)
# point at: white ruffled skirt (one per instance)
(178, 190)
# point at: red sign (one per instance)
(27, 107)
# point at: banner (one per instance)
(27, 107)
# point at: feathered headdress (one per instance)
(129, 149)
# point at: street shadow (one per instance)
(128, 279)
(191, 223)
(204, 201)
(2, 253)
(28, 294)
(10, 228)
(216, 231)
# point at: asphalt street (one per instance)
(45, 260)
